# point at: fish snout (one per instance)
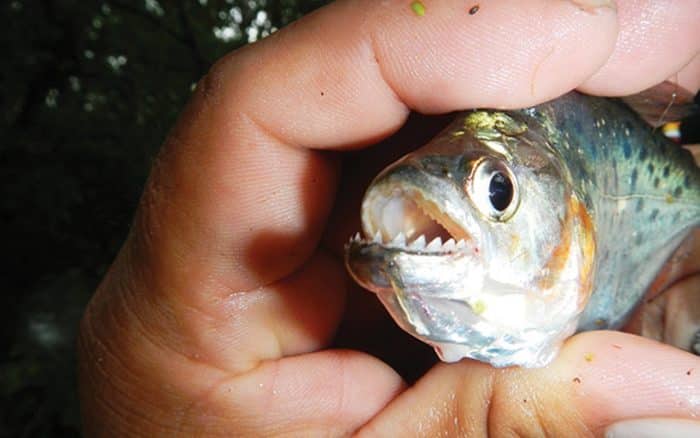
(367, 266)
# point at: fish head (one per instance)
(477, 243)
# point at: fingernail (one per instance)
(654, 428)
(594, 5)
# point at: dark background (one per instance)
(88, 90)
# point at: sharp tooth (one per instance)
(378, 237)
(449, 245)
(435, 245)
(461, 244)
(419, 243)
(399, 240)
(356, 237)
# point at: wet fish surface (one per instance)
(512, 230)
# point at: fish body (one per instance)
(512, 230)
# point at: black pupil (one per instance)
(500, 191)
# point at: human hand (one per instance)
(216, 317)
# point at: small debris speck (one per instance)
(588, 357)
(577, 380)
(418, 8)
(619, 347)
(524, 400)
(689, 372)
(323, 93)
(474, 9)
(478, 307)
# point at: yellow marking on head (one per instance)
(493, 129)
(493, 124)
(588, 357)
(478, 120)
(669, 198)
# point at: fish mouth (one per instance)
(414, 247)
(405, 218)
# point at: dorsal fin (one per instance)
(662, 103)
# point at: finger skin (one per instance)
(657, 38)
(155, 393)
(689, 76)
(336, 393)
(598, 379)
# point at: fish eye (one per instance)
(500, 191)
(492, 188)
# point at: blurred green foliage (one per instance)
(88, 90)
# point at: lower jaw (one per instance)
(470, 338)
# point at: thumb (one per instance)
(599, 379)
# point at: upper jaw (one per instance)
(417, 212)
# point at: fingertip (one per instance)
(508, 55)
(599, 378)
(656, 40)
(615, 376)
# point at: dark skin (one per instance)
(217, 316)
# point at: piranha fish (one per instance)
(512, 230)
